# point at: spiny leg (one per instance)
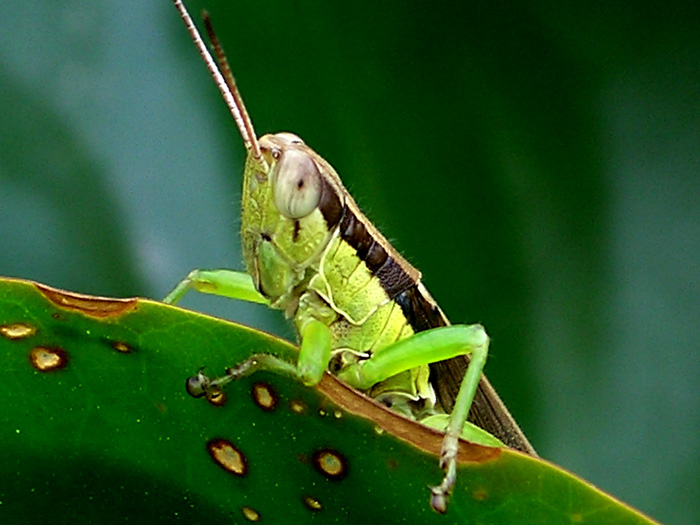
(423, 348)
(200, 385)
(470, 431)
(450, 444)
(234, 285)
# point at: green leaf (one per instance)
(97, 426)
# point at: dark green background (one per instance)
(538, 162)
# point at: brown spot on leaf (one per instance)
(17, 331)
(227, 456)
(312, 503)
(100, 307)
(330, 463)
(264, 396)
(250, 514)
(45, 359)
(216, 396)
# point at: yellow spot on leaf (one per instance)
(264, 396)
(330, 463)
(47, 359)
(250, 514)
(296, 406)
(312, 503)
(122, 347)
(227, 456)
(17, 331)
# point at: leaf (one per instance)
(97, 426)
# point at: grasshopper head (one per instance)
(292, 199)
(292, 203)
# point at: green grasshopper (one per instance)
(359, 308)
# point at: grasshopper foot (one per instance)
(197, 385)
(439, 500)
(448, 462)
(200, 385)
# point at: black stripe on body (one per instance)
(330, 205)
(392, 277)
(376, 257)
(297, 228)
(420, 312)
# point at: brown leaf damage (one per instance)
(412, 432)
(98, 307)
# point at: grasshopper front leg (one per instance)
(426, 347)
(226, 283)
(314, 354)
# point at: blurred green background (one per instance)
(537, 161)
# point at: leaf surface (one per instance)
(97, 426)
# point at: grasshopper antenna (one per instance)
(223, 78)
(231, 83)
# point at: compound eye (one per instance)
(297, 186)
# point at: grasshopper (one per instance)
(359, 308)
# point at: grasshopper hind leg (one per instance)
(430, 346)
(457, 425)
